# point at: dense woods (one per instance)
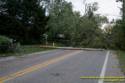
(23, 20)
(29, 21)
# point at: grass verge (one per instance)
(25, 49)
(121, 58)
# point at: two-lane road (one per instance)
(57, 66)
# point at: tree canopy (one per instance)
(28, 21)
(23, 20)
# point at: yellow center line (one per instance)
(107, 77)
(35, 67)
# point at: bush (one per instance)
(4, 40)
(7, 45)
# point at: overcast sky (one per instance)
(110, 8)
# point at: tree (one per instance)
(24, 20)
(123, 8)
(78, 30)
(61, 20)
(118, 31)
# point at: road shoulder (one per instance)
(24, 55)
(113, 69)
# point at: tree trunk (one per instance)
(123, 10)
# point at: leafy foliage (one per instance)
(4, 40)
(23, 20)
(118, 34)
(5, 43)
(27, 21)
(78, 30)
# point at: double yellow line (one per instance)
(36, 67)
(106, 78)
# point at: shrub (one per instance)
(4, 40)
(7, 45)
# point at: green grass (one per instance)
(121, 58)
(25, 49)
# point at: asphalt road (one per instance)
(59, 66)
